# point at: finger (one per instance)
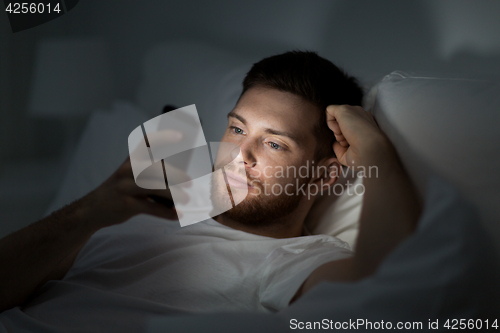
(339, 137)
(340, 151)
(337, 113)
(353, 122)
(332, 111)
(333, 124)
(343, 143)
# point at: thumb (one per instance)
(340, 152)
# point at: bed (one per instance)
(445, 131)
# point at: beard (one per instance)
(262, 208)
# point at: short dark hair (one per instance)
(315, 79)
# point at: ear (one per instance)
(328, 172)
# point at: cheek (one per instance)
(297, 171)
(225, 136)
(278, 174)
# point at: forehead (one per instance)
(278, 110)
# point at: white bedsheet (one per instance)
(149, 266)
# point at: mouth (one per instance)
(236, 181)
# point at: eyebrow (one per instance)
(295, 138)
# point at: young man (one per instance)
(295, 108)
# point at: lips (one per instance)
(236, 181)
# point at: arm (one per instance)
(47, 249)
(390, 205)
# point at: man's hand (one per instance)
(359, 139)
(119, 198)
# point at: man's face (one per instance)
(275, 133)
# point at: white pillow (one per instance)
(446, 126)
(337, 214)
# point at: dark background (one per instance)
(369, 38)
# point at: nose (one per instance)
(247, 152)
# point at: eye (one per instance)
(236, 130)
(274, 145)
